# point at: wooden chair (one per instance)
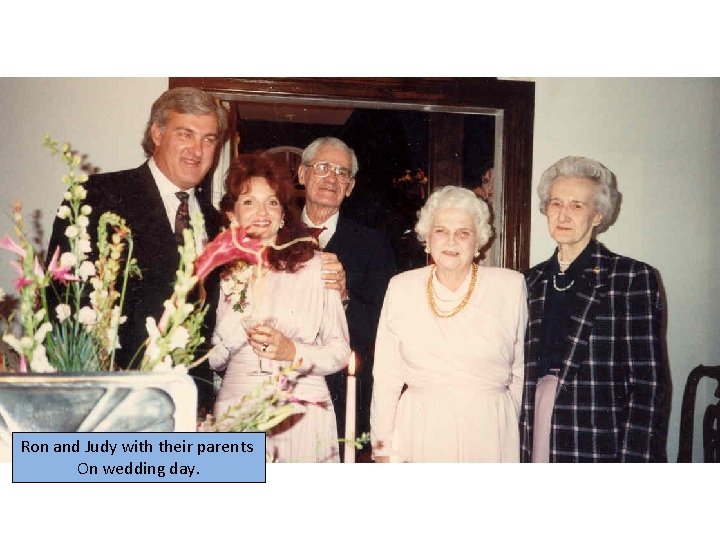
(711, 418)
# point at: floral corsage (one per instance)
(235, 282)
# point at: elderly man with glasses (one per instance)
(328, 172)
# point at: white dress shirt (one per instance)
(330, 227)
(172, 203)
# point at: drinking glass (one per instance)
(251, 322)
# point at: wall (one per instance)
(660, 137)
(101, 117)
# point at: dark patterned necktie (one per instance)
(315, 233)
(182, 218)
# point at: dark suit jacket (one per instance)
(134, 196)
(368, 260)
(608, 406)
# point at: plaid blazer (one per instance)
(608, 405)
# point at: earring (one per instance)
(427, 250)
(282, 223)
(477, 253)
(233, 222)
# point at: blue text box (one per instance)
(138, 457)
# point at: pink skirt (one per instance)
(544, 403)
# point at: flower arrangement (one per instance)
(82, 334)
(266, 406)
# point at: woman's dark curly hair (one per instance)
(237, 182)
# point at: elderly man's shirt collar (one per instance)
(330, 226)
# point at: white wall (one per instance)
(660, 137)
(102, 117)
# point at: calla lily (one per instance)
(232, 244)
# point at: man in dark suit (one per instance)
(185, 128)
(328, 172)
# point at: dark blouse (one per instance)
(560, 298)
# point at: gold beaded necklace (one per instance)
(461, 305)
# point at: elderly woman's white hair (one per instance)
(455, 197)
(606, 193)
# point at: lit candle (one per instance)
(350, 411)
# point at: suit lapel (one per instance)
(589, 296)
(158, 240)
(336, 240)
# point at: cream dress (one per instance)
(314, 319)
(464, 374)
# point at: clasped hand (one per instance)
(268, 342)
(333, 274)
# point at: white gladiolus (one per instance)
(163, 365)
(87, 316)
(83, 221)
(62, 311)
(39, 361)
(13, 342)
(152, 351)
(112, 335)
(86, 270)
(67, 260)
(86, 210)
(179, 338)
(42, 332)
(72, 231)
(63, 211)
(169, 307)
(84, 245)
(39, 315)
(79, 192)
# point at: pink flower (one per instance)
(9, 244)
(21, 281)
(58, 272)
(230, 245)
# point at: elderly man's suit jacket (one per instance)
(368, 260)
(608, 405)
(134, 196)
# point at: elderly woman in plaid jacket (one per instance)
(593, 370)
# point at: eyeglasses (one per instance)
(324, 168)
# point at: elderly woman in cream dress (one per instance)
(452, 333)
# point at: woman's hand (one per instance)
(382, 459)
(333, 274)
(269, 342)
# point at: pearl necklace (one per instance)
(563, 266)
(431, 295)
(562, 289)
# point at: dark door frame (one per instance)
(513, 102)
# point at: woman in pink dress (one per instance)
(452, 333)
(303, 319)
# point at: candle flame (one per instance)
(352, 363)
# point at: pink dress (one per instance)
(313, 317)
(464, 374)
